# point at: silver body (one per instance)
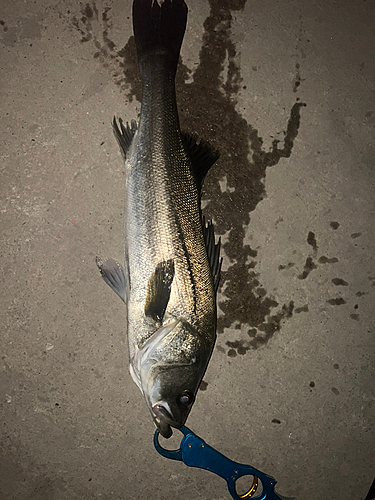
(163, 222)
(162, 218)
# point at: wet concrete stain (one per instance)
(335, 391)
(263, 333)
(4, 25)
(207, 107)
(310, 263)
(287, 266)
(339, 281)
(203, 386)
(304, 308)
(327, 260)
(308, 267)
(355, 235)
(339, 301)
(311, 240)
(354, 316)
(297, 79)
(239, 345)
(301, 42)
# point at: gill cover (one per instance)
(169, 369)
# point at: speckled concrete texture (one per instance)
(285, 91)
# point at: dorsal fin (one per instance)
(213, 251)
(159, 290)
(202, 157)
(124, 135)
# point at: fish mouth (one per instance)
(163, 420)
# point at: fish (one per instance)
(172, 261)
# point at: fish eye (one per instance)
(186, 398)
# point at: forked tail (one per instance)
(159, 29)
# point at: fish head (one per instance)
(172, 365)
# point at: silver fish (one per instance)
(172, 264)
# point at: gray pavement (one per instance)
(290, 386)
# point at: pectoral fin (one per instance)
(159, 290)
(114, 275)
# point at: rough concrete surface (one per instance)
(290, 386)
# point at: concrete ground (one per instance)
(290, 386)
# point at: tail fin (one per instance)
(159, 28)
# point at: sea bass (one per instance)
(172, 263)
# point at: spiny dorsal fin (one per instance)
(213, 251)
(159, 290)
(202, 157)
(124, 135)
(114, 275)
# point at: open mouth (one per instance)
(163, 420)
